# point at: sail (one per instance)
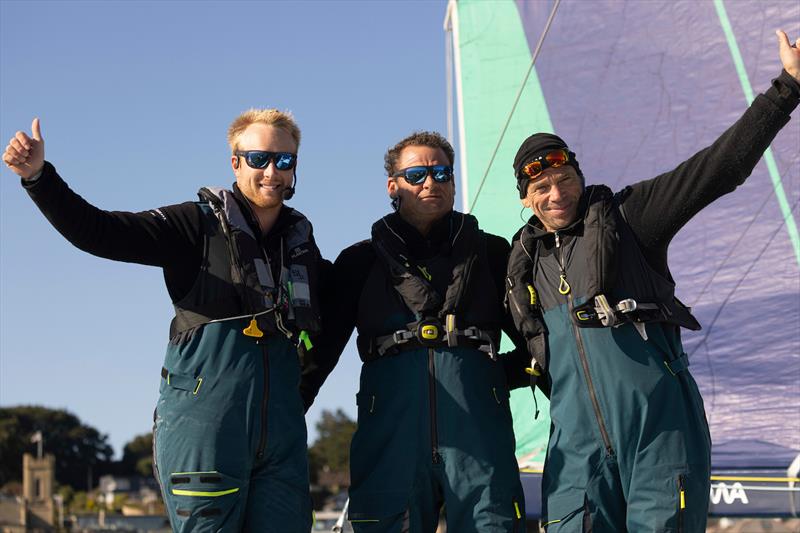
(636, 88)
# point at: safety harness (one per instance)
(234, 255)
(612, 243)
(437, 318)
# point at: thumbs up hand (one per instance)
(25, 155)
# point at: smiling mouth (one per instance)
(269, 187)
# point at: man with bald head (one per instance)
(590, 289)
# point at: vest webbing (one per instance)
(236, 278)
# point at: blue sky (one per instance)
(135, 99)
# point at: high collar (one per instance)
(419, 246)
(284, 216)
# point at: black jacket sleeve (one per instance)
(658, 208)
(340, 293)
(169, 237)
(517, 360)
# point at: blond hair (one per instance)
(270, 117)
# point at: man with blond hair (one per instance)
(241, 269)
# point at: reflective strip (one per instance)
(189, 473)
(683, 499)
(197, 388)
(516, 508)
(181, 492)
(766, 479)
(551, 522)
(359, 521)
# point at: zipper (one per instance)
(262, 441)
(682, 505)
(435, 456)
(582, 351)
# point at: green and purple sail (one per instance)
(635, 88)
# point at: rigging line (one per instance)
(516, 101)
(732, 248)
(769, 158)
(738, 283)
(448, 58)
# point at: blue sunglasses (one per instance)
(260, 159)
(417, 175)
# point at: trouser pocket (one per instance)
(565, 512)
(203, 501)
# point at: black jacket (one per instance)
(347, 281)
(170, 237)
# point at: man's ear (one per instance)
(235, 161)
(391, 187)
(526, 203)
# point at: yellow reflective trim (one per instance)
(668, 368)
(197, 388)
(683, 499)
(533, 294)
(168, 375)
(765, 479)
(313, 518)
(516, 508)
(582, 315)
(531, 470)
(214, 494)
(425, 273)
(189, 473)
(551, 522)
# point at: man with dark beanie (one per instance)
(590, 290)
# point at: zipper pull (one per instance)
(252, 329)
(558, 240)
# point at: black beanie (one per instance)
(534, 146)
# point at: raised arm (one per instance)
(169, 237)
(658, 208)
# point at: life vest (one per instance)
(449, 300)
(236, 279)
(621, 285)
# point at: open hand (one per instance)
(790, 55)
(25, 155)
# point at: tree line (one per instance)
(83, 453)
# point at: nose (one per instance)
(270, 170)
(555, 192)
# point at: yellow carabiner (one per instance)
(563, 286)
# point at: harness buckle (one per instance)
(429, 332)
(628, 305)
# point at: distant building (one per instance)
(34, 512)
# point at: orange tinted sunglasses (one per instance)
(555, 159)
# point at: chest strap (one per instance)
(431, 333)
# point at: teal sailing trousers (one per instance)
(230, 435)
(434, 429)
